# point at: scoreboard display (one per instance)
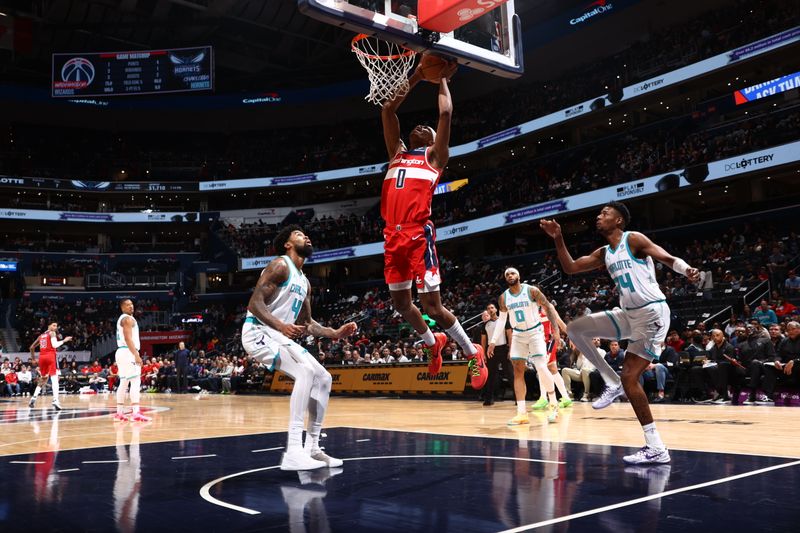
(129, 73)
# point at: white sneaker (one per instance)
(299, 460)
(763, 399)
(329, 461)
(56, 405)
(607, 398)
(648, 456)
(319, 476)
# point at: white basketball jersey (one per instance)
(523, 313)
(291, 294)
(121, 336)
(635, 278)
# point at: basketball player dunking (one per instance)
(409, 237)
(278, 312)
(642, 318)
(48, 343)
(129, 364)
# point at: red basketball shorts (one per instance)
(552, 350)
(410, 257)
(47, 365)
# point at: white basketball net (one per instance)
(387, 65)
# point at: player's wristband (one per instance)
(680, 266)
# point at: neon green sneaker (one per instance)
(564, 402)
(540, 405)
(552, 414)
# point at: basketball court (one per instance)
(410, 465)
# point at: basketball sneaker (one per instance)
(32, 403)
(648, 456)
(609, 395)
(330, 462)
(520, 419)
(298, 460)
(120, 417)
(435, 353)
(552, 413)
(540, 405)
(139, 417)
(57, 405)
(477, 368)
(564, 402)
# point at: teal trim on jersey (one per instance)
(644, 305)
(292, 268)
(628, 249)
(530, 328)
(624, 238)
(526, 357)
(275, 361)
(253, 320)
(651, 354)
(522, 289)
(616, 326)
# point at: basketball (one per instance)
(432, 67)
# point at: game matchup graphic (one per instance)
(130, 73)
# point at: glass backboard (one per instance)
(491, 42)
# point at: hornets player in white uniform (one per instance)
(522, 304)
(642, 317)
(129, 364)
(280, 311)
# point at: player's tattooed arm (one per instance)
(549, 309)
(318, 330)
(32, 348)
(276, 273)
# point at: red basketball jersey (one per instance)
(546, 325)
(46, 345)
(408, 188)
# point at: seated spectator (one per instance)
(753, 351)
(12, 384)
(784, 308)
(25, 380)
(765, 315)
(783, 368)
(97, 382)
(615, 356)
(792, 284)
(656, 372)
(581, 370)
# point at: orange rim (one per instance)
(361, 36)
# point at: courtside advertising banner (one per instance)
(82, 216)
(762, 159)
(768, 88)
(402, 378)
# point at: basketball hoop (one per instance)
(387, 65)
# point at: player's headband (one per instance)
(511, 269)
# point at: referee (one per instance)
(500, 356)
